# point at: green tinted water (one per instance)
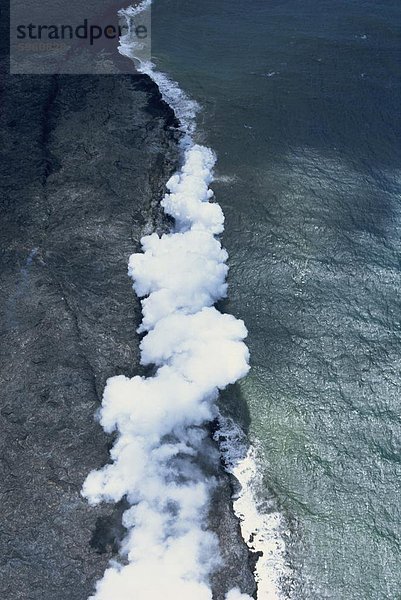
(301, 102)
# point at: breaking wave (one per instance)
(161, 420)
(263, 526)
(184, 107)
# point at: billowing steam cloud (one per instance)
(160, 420)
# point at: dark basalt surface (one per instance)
(84, 162)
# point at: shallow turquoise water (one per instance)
(301, 102)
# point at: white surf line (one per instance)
(262, 530)
(184, 107)
(168, 553)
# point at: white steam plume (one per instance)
(160, 420)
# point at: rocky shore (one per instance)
(84, 162)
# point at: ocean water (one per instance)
(301, 102)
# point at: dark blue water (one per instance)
(301, 101)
